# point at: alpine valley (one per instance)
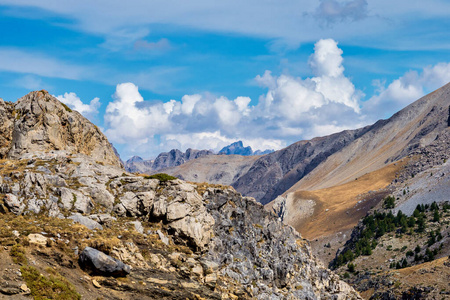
(374, 202)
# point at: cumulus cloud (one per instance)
(332, 11)
(291, 109)
(406, 89)
(74, 102)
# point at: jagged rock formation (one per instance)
(38, 123)
(237, 148)
(176, 157)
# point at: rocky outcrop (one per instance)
(237, 248)
(39, 123)
(272, 260)
(7, 117)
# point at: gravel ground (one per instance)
(425, 188)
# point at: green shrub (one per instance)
(162, 177)
(17, 254)
(351, 267)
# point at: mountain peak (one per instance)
(237, 148)
(38, 123)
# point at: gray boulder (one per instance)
(97, 262)
(89, 223)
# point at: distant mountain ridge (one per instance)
(164, 160)
(175, 157)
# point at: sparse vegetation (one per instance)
(66, 107)
(53, 287)
(162, 177)
(389, 202)
(17, 254)
(380, 223)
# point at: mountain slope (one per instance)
(420, 125)
(417, 125)
(216, 169)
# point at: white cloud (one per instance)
(74, 102)
(127, 122)
(188, 103)
(124, 22)
(292, 108)
(326, 59)
(406, 89)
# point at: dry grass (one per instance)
(202, 187)
(341, 202)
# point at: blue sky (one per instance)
(157, 75)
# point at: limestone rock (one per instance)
(42, 123)
(101, 196)
(67, 197)
(99, 263)
(38, 239)
(137, 226)
(14, 204)
(7, 115)
(83, 204)
(162, 237)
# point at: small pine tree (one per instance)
(436, 216)
(351, 267)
